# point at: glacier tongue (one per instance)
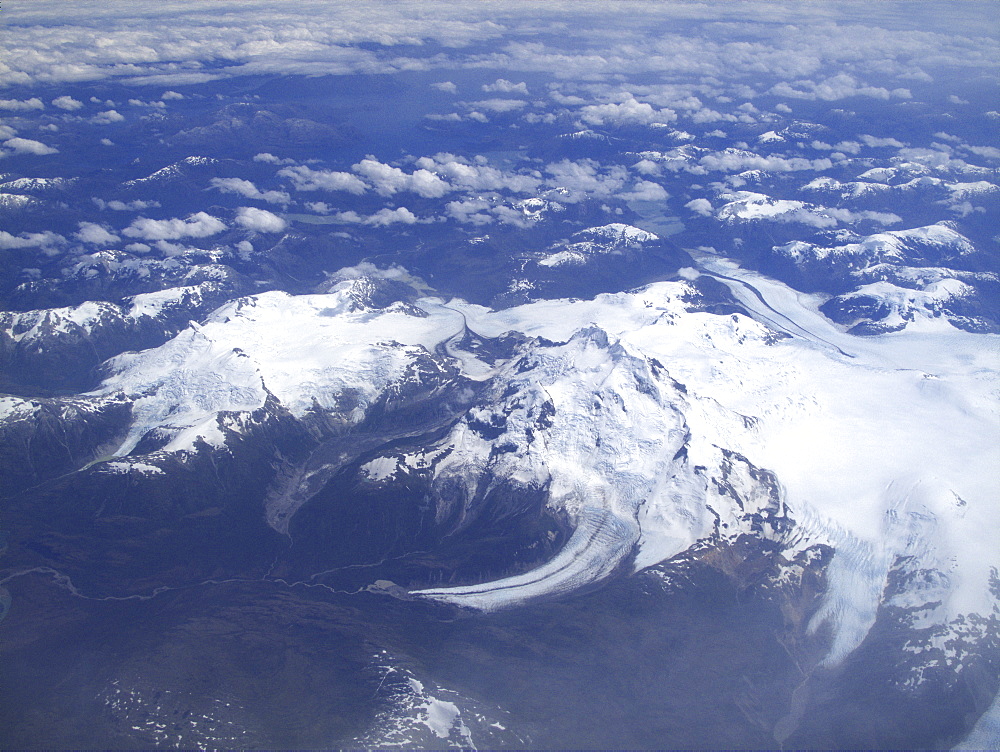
(599, 544)
(602, 431)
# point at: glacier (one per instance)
(649, 426)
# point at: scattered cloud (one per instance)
(988, 152)
(497, 105)
(503, 86)
(381, 218)
(271, 159)
(259, 220)
(876, 142)
(700, 206)
(384, 217)
(91, 232)
(249, 190)
(388, 180)
(628, 112)
(30, 240)
(836, 87)
(445, 86)
(307, 179)
(476, 175)
(199, 225)
(738, 160)
(21, 105)
(107, 117)
(645, 190)
(29, 146)
(116, 205)
(67, 102)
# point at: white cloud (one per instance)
(947, 137)
(989, 152)
(199, 225)
(7, 132)
(349, 217)
(29, 146)
(478, 177)
(107, 142)
(647, 167)
(172, 249)
(836, 87)
(497, 105)
(91, 232)
(451, 117)
(259, 220)
(585, 178)
(846, 147)
(782, 108)
(955, 99)
(628, 112)
(116, 205)
(384, 217)
(107, 117)
(470, 211)
(388, 180)
(737, 160)
(150, 43)
(700, 206)
(503, 86)
(876, 142)
(67, 102)
(445, 86)
(171, 95)
(249, 190)
(30, 240)
(307, 179)
(271, 159)
(140, 103)
(645, 190)
(22, 105)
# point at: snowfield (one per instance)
(628, 413)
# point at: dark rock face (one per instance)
(46, 438)
(62, 348)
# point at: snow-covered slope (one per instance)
(648, 427)
(861, 436)
(613, 238)
(319, 352)
(899, 277)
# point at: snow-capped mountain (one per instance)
(641, 450)
(426, 376)
(60, 347)
(900, 277)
